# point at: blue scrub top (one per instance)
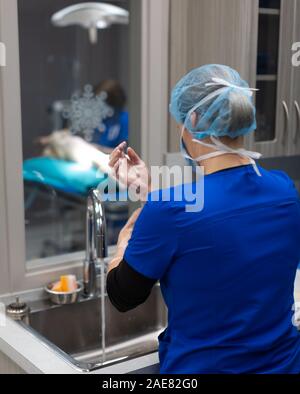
(227, 274)
(116, 131)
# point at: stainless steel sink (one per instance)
(74, 331)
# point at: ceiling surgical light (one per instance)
(91, 16)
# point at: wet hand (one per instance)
(131, 172)
(124, 237)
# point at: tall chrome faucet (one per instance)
(96, 245)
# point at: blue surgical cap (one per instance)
(221, 99)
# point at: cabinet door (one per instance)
(210, 31)
(274, 77)
(294, 140)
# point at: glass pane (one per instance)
(74, 84)
(269, 4)
(268, 44)
(266, 110)
(267, 69)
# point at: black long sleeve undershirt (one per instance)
(127, 288)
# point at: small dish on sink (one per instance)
(63, 298)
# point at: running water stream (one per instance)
(102, 294)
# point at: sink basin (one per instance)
(74, 331)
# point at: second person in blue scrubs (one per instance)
(116, 126)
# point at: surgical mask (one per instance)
(189, 161)
(220, 149)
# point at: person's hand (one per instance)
(126, 232)
(131, 172)
(123, 239)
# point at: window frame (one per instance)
(149, 60)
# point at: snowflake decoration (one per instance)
(87, 112)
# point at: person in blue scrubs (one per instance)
(226, 272)
(116, 126)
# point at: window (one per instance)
(63, 77)
(42, 222)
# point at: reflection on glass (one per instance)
(266, 108)
(70, 121)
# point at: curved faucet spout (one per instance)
(96, 245)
